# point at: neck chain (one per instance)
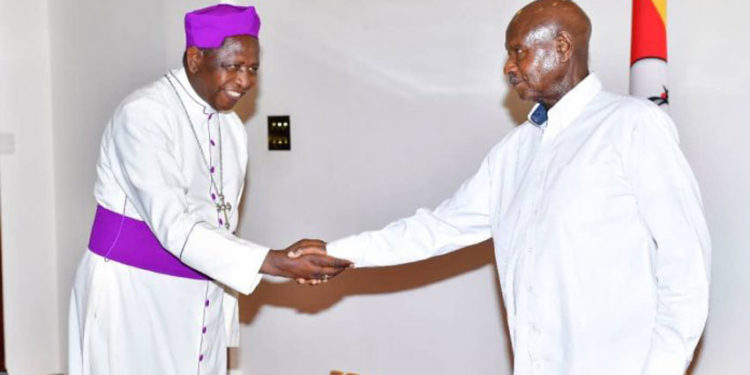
(215, 190)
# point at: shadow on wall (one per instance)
(246, 107)
(311, 300)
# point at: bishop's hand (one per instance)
(311, 268)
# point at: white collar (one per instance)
(568, 107)
(187, 92)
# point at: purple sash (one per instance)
(129, 241)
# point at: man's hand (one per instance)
(313, 267)
(302, 251)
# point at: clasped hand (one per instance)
(305, 261)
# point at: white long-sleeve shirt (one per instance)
(600, 241)
(155, 166)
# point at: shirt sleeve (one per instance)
(462, 220)
(147, 169)
(670, 206)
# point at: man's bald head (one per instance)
(566, 13)
(556, 16)
(547, 43)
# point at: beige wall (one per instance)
(710, 80)
(98, 59)
(393, 104)
(31, 302)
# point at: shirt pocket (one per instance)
(581, 193)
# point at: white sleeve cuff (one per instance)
(665, 364)
(342, 249)
(225, 258)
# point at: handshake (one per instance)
(305, 261)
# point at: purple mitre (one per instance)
(207, 27)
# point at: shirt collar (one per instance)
(568, 107)
(538, 115)
(188, 94)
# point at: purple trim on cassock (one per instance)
(129, 241)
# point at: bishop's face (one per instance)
(221, 76)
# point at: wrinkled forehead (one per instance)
(523, 29)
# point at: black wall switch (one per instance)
(279, 133)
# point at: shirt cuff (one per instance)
(664, 364)
(225, 258)
(343, 249)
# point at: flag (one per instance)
(648, 51)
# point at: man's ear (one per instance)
(194, 59)
(564, 45)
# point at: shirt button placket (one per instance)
(536, 367)
(532, 362)
(206, 304)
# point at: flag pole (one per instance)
(648, 52)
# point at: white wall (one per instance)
(393, 104)
(101, 52)
(414, 89)
(98, 59)
(31, 312)
(709, 76)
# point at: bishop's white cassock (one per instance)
(156, 165)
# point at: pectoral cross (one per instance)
(224, 207)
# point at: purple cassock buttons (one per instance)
(204, 330)
(200, 359)
(212, 169)
(207, 303)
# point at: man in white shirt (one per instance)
(154, 293)
(600, 241)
